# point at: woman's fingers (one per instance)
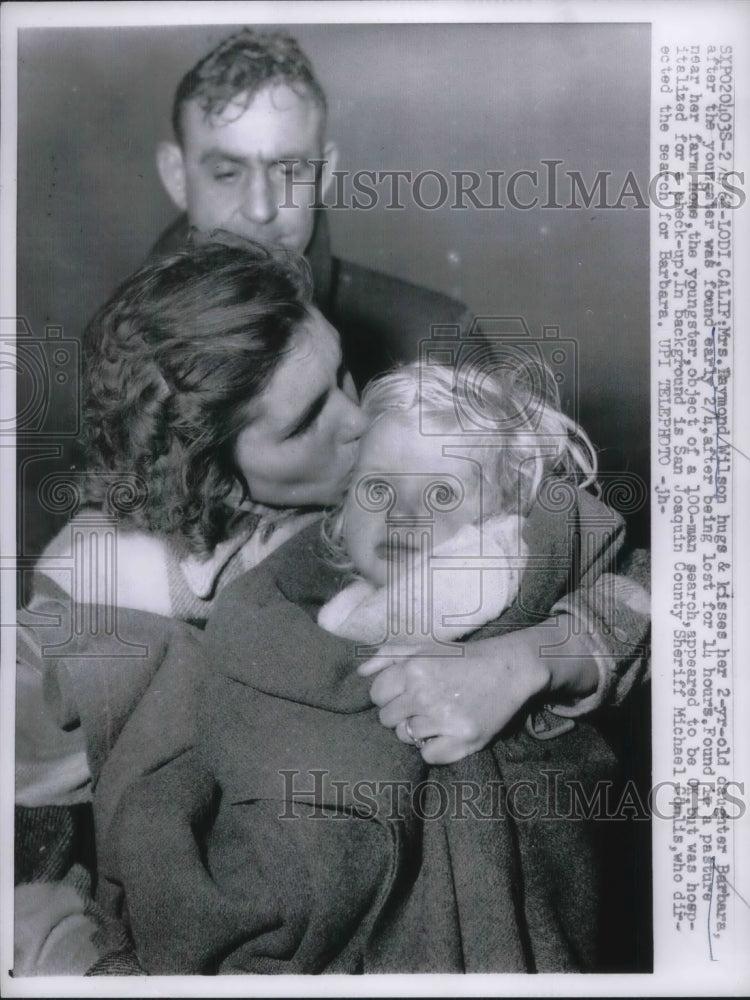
(459, 705)
(389, 684)
(407, 687)
(416, 731)
(387, 655)
(374, 664)
(396, 710)
(422, 715)
(435, 748)
(446, 750)
(404, 734)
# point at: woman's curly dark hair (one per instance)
(172, 362)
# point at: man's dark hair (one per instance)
(173, 361)
(243, 65)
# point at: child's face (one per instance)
(402, 485)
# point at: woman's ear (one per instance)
(171, 166)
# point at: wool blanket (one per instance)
(271, 841)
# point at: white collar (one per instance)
(201, 574)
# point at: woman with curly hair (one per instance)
(219, 419)
(220, 422)
(216, 403)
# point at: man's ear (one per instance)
(171, 167)
(331, 157)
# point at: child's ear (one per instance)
(171, 166)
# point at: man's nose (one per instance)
(259, 204)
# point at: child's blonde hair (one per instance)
(511, 413)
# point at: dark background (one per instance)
(93, 103)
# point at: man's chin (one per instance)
(271, 240)
(291, 243)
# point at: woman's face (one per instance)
(300, 442)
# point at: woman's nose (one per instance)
(354, 422)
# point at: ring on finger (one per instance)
(419, 743)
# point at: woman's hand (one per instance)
(458, 704)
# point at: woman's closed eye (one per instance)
(307, 423)
(309, 419)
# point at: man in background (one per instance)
(250, 155)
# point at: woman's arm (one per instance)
(592, 652)
(459, 704)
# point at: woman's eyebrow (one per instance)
(307, 417)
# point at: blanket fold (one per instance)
(244, 797)
(299, 835)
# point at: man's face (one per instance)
(300, 441)
(228, 174)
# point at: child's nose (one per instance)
(407, 506)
